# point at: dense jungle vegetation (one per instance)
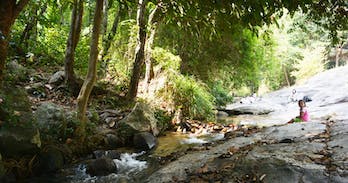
(210, 50)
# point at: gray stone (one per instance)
(15, 107)
(52, 120)
(102, 166)
(18, 141)
(16, 71)
(112, 154)
(50, 159)
(114, 141)
(254, 108)
(37, 90)
(57, 78)
(141, 119)
(144, 141)
(275, 171)
(221, 114)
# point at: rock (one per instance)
(254, 108)
(19, 141)
(275, 170)
(17, 72)
(57, 78)
(144, 141)
(221, 114)
(15, 107)
(114, 141)
(36, 90)
(112, 154)
(50, 159)
(101, 166)
(140, 119)
(53, 120)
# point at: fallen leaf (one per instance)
(203, 169)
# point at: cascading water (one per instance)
(127, 167)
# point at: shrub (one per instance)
(190, 95)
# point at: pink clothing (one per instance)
(305, 116)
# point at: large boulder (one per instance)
(57, 78)
(50, 159)
(140, 119)
(17, 72)
(53, 121)
(15, 107)
(101, 166)
(19, 141)
(253, 108)
(144, 141)
(114, 141)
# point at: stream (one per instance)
(312, 151)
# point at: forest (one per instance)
(83, 75)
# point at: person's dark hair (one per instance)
(303, 102)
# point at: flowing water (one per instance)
(133, 167)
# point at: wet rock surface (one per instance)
(18, 141)
(144, 141)
(101, 166)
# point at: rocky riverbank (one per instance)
(314, 151)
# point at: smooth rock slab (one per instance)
(295, 131)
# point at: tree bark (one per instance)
(338, 55)
(9, 11)
(31, 25)
(286, 76)
(74, 36)
(108, 39)
(153, 24)
(82, 99)
(139, 51)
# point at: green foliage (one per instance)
(311, 64)
(191, 95)
(121, 54)
(301, 46)
(221, 94)
(166, 59)
(163, 120)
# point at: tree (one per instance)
(86, 89)
(153, 22)
(108, 38)
(74, 36)
(139, 51)
(9, 11)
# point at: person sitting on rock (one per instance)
(304, 115)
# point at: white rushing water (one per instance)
(128, 164)
(201, 139)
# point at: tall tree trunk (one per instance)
(9, 11)
(153, 24)
(31, 25)
(74, 36)
(338, 55)
(82, 99)
(108, 39)
(286, 76)
(139, 51)
(105, 17)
